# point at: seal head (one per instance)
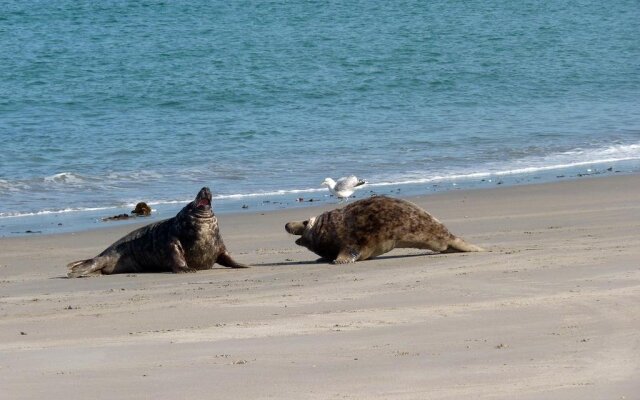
(200, 207)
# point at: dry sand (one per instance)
(551, 312)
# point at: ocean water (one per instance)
(107, 103)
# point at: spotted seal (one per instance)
(370, 227)
(185, 243)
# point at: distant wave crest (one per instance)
(52, 212)
(65, 178)
(564, 160)
(236, 196)
(575, 158)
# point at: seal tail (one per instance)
(460, 245)
(82, 268)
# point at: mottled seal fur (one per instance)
(370, 227)
(185, 243)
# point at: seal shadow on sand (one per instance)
(142, 274)
(327, 261)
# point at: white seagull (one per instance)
(344, 187)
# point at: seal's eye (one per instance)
(305, 223)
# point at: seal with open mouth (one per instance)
(374, 226)
(188, 242)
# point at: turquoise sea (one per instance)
(107, 103)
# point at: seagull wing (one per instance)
(346, 183)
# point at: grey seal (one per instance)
(188, 242)
(370, 227)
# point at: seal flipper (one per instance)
(82, 268)
(177, 260)
(459, 245)
(225, 260)
(347, 256)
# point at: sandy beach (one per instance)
(551, 311)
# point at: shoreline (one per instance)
(550, 311)
(73, 222)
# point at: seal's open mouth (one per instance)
(203, 203)
(203, 199)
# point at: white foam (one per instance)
(65, 177)
(529, 165)
(273, 193)
(565, 160)
(237, 196)
(52, 212)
